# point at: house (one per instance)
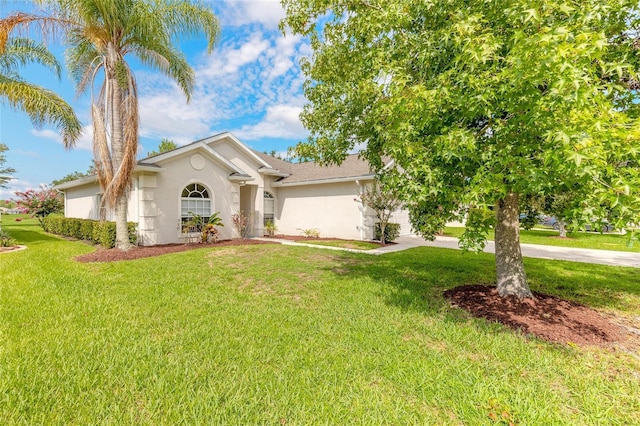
(222, 174)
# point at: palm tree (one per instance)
(40, 104)
(102, 35)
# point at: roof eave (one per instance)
(235, 177)
(272, 172)
(94, 178)
(77, 182)
(324, 181)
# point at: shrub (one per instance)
(6, 240)
(310, 233)
(391, 232)
(97, 232)
(270, 227)
(242, 224)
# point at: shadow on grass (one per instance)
(417, 278)
(27, 237)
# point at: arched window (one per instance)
(269, 213)
(194, 201)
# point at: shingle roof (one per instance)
(352, 167)
(276, 163)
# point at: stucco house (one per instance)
(222, 174)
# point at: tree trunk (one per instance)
(122, 229)
(383, 228)
(115, 94)
(562, 228)
(511, 278)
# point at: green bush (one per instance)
(97, 232)
(86, 229)
(6, 240)
(391, 232)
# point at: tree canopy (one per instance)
(480, 105)
(165, 145)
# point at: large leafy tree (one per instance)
(40, 104)
(102, 37)
(481, 105)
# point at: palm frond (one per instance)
(185, 17)
(22, 51)
(172, 63)
(39, 26)
(42, 106)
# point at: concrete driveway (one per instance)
(602, 257)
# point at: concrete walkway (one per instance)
(602, 257)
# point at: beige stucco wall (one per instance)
(160, 213)
(81, 202)
(332, 209)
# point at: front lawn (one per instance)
(578, 239)
(270, 334)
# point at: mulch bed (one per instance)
(548, 317)
(138, 252)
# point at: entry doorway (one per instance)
(247, 206)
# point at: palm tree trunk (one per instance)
(511, 278)
(115, 100)
(122, 231)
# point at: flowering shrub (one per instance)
(41, 203)
(242, 224)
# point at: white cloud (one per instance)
(280, 121)
(229, 60)
(252, 77)
(14, 185)
(47, 134)
(243, 12)
(84, 142)
(168, 116)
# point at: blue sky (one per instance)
(251, 85)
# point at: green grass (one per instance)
(348, 244)
(589, 240)
(269, 334)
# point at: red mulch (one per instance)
(548, 317)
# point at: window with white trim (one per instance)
(195, 200)
(269, 213)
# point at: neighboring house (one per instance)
(5, 210)
(222, 174)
